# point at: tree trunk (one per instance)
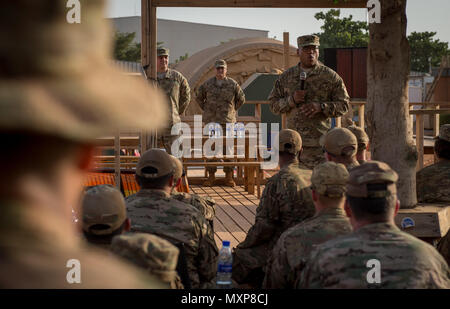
(387, 110)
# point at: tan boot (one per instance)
(211, 179)
(229, 182)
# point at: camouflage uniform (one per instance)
(285, 201)
(294, 246)
(405, 261)
(155, 212)
(73, 94)
(322, 85)
(220, 101)
(176, 87)
(433, 183)
(156, 255)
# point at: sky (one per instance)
(429, 15)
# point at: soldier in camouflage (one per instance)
(152, 210)
(152, 253)
(309, 111)
(104, 215)
(220, 97)
(206, 205)
(176, 87)
(433, 182)
(56, 99)
(286, 201)
(289, 256)
(340, 146)
(377, 254)
(363, 143)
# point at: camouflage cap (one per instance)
(372, 172)
(308, 40)
(220, 64)
(330, 179)
(178, 168)
(147, 251)
(159, 160)
(339, 142)
(361, 136)
(163, 51)
(58, 78)
(444, 132)
(290, 141)
(104, 206)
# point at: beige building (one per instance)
(186, 37)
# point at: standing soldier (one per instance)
(176, 87)
(286, 201)
(309, 104)
(289, 256)
(377, 254)
(56, 99)
(220, 97)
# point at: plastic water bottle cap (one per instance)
(226, 243)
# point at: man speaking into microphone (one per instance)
(310, 94)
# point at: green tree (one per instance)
(341, 32)
(125, 49)
(182, 58)
(424, 47)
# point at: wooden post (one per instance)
(117, 159)
(436, 122)
(361, 116)
(419, 140)
(286, 66)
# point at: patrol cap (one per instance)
(178, 167)
(147, 251)
(290, 141)
(361, 136)
(372, 172)
(163, 51)
(220, 63)
(339, 142)
(103, 205)
(444, 132)
(159, 160)
(308, 40)
(330, 179)
(57, 79)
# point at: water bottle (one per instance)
(224, 267)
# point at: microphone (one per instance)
(302, 80)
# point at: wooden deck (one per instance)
(235, 212)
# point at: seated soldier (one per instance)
(377, 254)
(340, 145)
(206, 205)
(363, 143)
(152, 253)
(286, 201)
(433, 182)
(288, 257)
(104, 215)
(153, 211)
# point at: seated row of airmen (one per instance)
(313, 229)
